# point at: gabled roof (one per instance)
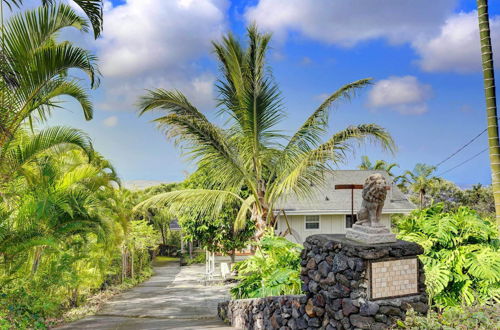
(174, 225)
(326, 199)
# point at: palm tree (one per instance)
(35, 73)
(91, 8)
(250, 153)
(491, 106)
(25, 148)
(53, 193)
(420, 180)
(380, 165)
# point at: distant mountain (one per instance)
(141, 184)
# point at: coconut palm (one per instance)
(420, 180)
(380, 165)
(91, 8)
(35, 73)
(491, 105)
(250, 152)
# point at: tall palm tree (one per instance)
(36, 70)
(420, 180)
(380, 165)
(250, 152)
(93, 9)
(491, 105)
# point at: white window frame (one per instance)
(306, 222)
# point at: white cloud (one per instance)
(456, 47)
(405, 95)
(111, 121)
(153, 43)
(349, 22)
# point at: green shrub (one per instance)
(273, 270)
(462, 255)
(478, 317)
(199, 258)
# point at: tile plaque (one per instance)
(393, 278)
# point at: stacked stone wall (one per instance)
(335, 280)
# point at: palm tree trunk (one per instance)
(491, 107)
(260, 223)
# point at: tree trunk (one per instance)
(260, 223)
(163, 235)
(421, 199)
(132, 263)
(36, 259)
(124, 265)
(491, 106)
(233, 256)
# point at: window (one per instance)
(349, 221)
(312, 221)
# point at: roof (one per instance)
(326, 199)
(142, 184)
(174, 225)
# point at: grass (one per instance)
(163, 259)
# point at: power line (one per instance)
(465, 161)
(460, 149)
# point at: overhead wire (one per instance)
(460, 149)
(462, 163)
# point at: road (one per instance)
(173, 298)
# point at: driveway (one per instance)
(173, 298)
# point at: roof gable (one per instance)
(326, 199)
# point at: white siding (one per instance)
(328, 224)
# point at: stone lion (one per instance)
(374, 193)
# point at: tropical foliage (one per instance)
(477, 197)
(35, 72)
(419, 181)
(379, 165)
(273, 270)
(216, 234)
(66, 229)
(92, 9)
(462, 254)
(464, 318)
(250, 152)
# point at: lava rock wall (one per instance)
(335, 282)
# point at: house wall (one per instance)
(328, 224)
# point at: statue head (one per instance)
(374, 189)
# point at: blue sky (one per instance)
(423, 56)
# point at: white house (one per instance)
(328, 210)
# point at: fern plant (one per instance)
(273, 270)
(462, 254)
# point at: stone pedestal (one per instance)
(370, 235)
(352, 285)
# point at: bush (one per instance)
(199, 258)
(273, 270)
(462, 255)
(478, 317)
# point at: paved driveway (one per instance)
(174, 298)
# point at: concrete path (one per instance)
(173, 298)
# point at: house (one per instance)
(328, 210)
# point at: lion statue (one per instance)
(374, 193)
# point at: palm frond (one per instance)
(199, 201)
(311, 132)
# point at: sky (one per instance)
(423, 56)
